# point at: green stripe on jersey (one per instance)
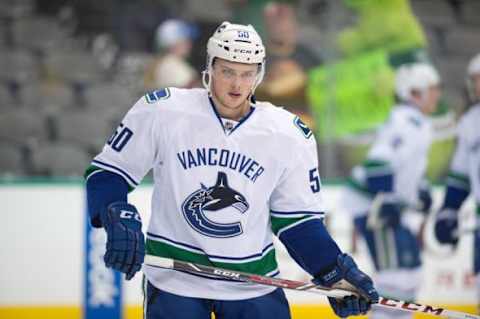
(93, 169)
(263, 266)
(90, 170)
(280, 223)
(352, 183)
(460, 180)
(377, 167)
(373, 163)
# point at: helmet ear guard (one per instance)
(235, 43)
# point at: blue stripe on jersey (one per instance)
(289, 214)
(200, 250)
(118, 170)
(243, 119)
(216, 113)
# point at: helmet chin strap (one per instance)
(206, 84)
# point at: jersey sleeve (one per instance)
(296, 208)
(132, 149)
(459, 162)
(392, 144)
(458, 182)
(398, 141)
(296, 198)
(377, 171)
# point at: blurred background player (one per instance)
(464, 175)
(170, 68)
(275, 195)
(289, 60)
(389, 182)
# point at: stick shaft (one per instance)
(337, 292)
(233, 275)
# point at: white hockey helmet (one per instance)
(473, 69)
(235, 43)
(474, 65)
(414, 76)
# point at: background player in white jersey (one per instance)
(228, 174)
(464, 175)
(390, 180)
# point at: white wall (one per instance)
(42, 242)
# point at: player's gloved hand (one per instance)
(346, 269)
(390, 212)
(424, 197)
(446, 227)
(125, 240)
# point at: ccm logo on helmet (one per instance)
(243, 51)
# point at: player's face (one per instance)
(429, 100)
(232, 84)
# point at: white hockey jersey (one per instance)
(402, 146)
(465, 166)
(221, 188)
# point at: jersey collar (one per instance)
(219, 118)
(412, 108)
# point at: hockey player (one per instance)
(229, 173)
(390, 180)
(464, 175)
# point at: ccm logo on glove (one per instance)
(129, 215)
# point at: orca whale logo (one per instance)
(214, 198)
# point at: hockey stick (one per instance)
(337, 292)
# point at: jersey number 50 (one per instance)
(120, 138)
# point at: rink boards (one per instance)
(42, 273)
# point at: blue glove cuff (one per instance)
(332, 275)
(347, 269)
